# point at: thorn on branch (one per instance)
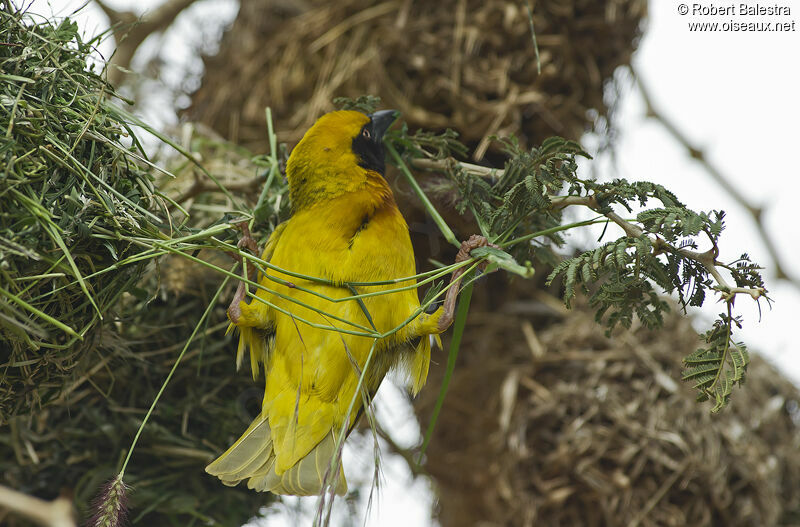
(729, 294)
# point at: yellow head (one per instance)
(337, 155)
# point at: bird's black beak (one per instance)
(381, 121)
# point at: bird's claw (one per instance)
(467, 246)
(247, 241)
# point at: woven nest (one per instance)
(77, 441)
(72, 198)
(463, 64)
(568, 427)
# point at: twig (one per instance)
(406, 453)
(443, 164)
(56, 513)
(659, 494)
(756, 213)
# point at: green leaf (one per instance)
(716, 368)
(699, 372)
(455, 343)
(7, 77)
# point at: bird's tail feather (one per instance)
(246, 454)
(252, 458)
(306, 477)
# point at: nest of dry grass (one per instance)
(569, 427)
(463, 64)
(76, 444)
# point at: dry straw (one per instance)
(570, 427)
(464, 64)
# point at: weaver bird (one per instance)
(345, 227)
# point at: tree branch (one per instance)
(407, 454)
(756, 213)
(200, 186)
(130, 31)
(449, 162)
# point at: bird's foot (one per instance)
(448, 309)
(475, 241)
(247, 241)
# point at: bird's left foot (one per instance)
(247, 241)
(475, 241)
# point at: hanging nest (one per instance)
(77, 441)
(71, 199)
(569, 427)
(75, 201)
(469, 65)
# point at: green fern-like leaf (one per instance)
(519, 201)
(672, 223)
(716, 368)
(624, 277)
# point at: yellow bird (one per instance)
(345, 227)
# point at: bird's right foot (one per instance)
(448, 312)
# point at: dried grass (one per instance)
(464, 64)
(570, 428)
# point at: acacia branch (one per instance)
(756, 213)
(706, 259)
(443, 164)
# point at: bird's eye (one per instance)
(366, 133)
